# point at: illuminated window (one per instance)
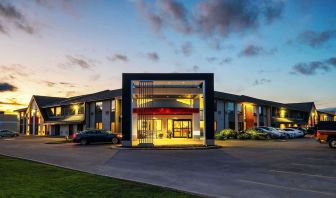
(113, 127)
(99, 125)
(143, 101)
(215, 125)
(58, 111)
(188, 102)
(201, 101)
(113, 105)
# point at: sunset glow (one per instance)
(281, 50)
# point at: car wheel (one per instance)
(84, 142)
(287, 136)
(268, 136)
(115, 141)
(332, 143)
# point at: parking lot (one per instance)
(275, 168)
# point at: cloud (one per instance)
(311, 68)
(95, 77)
(11, 101)
(4, 87)
(226, 60)
(255, 50)
(210, 18)
(313, 38)
(195, 68)
(80, 61)
(118, 57)
(15, 70)
(13, 16)
(153, 56)
(186, 48)
(211, 59)
(261, 81)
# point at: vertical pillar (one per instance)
(268, 116)
(226, 116)
(34, 121)
(236, 115)
(257, 113)
(196, 120)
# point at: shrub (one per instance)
(255, 135)
(243, 136)
(225, 134)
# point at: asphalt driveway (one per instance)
(294, 168)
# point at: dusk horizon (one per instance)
(278, 50)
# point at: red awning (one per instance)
(165, 111)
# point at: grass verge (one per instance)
(22, 178)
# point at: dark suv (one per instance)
(96, 135)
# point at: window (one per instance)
(113, 105)
(113, 127)
(99, 107)
(215, 125)
(58, 111)
(81, 109)
(99, 125)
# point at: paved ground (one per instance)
(296, 168)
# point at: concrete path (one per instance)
(296, 168)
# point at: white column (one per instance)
(34, 118)
(226, 115)
(236, 115)
(257, 113)
(196, 121)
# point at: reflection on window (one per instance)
(99, 107)
(113, 105)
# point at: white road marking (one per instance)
(313, 165)
(286, 187)
(304, 174)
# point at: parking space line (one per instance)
(304, 174)
(286, 187)
(312, 165)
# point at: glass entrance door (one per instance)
(182, 129)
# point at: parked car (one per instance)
(8, 133)
(95, 135)
(297, 132)
(288, 134)
(301, 129)
(326, 132)
(270, 133)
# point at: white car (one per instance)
(274, 131)
(297, 132)
(289, 134)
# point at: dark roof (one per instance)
(99, 96)
(20, 110)
(303, 106)
(326, 112)
(243, 98)
(45, 100)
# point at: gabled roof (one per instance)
(45, 100)
(303, 106)
(98, 96)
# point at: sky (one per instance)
(278, 50)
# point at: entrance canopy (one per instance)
(167, 109)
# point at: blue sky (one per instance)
(277, 50)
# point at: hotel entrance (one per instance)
(182, 128)
(167, 109)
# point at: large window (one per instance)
(58, 111)
(99, 107)
(113, 105)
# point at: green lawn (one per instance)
(21, 178)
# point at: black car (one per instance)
(8, 133)
(95, 135)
